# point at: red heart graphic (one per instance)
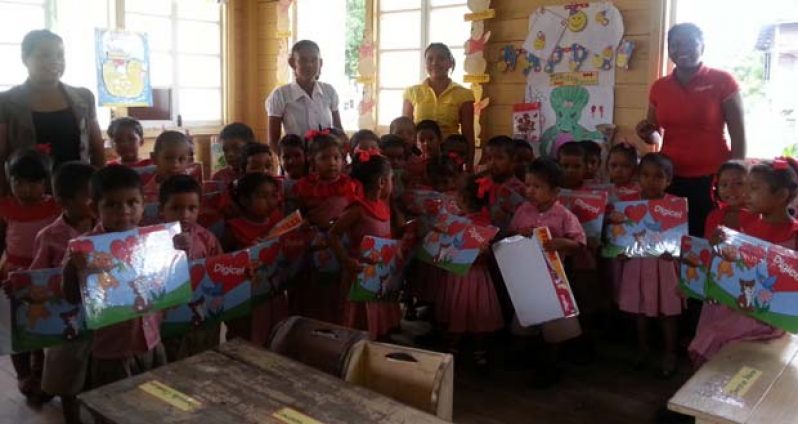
(669, 213)
(387, 253)
(706, 257)
(635, 212)
(197, 274)
(228, 270)
(752, 254)
(268, 255)
(456, 227)
(687, 243)
(20, 280)
(783, 264)
(367, 244)
(81, 246)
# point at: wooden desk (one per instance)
(240, 383)
(765, 391)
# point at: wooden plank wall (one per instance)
(643, 22)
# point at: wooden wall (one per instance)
(643, 23)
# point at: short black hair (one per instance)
(361, 135)
(34, 38)
(178, 184)
(29, 165)
(70, 178)
(626, 149)
(243, 187)
(572, 148)
(321, 142)
(454, 140)
(170, 138)
(391, 141)
(591, 148)
(502, 142)
(660, 160)
(249, 150)
(548, 170)
(397, 121)
(292, 140)
(368, 172)
(430, 125)
(125, 122)
(237, 131)
(691, 29)
(779, 177)
(112, 178)
(303, 45)
(444, 48)
(521, 144)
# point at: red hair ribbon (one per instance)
(455, 157)
(484, 184)
(311, 135)
(781, 163)
(364, 155)
(44, 148)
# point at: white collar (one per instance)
(297, 92)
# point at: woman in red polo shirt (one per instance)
(688, 112)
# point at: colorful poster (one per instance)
(40, 316)
(617, 194)
(321, 253)
(381, 278)
(546, 27)
(589, 207)
(221, 291)
(454, 243)
(218, 162)
(647, 228)
(290, 223)
(696, 258)
(268, 276)
(526, 124)
(132, 273)
(757, 278)
(123, 68)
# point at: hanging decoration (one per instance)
(475, 65)
(123, 68)
(283, 73)
(367, 69)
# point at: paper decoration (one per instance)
(696, 258)
(535, 279)
(454, 243)
(509, 58)
(757, 278)
(290, 223)
(624, 54)
(589, 207)
(475, 63)
(321, 253)
(526, 124)
(365, 108)
(367, 71)
(40, 316)
(546, 27)
(381, 278)
(651, 228)
(480, 10)
(218, 162)
(132, 273)
(123, 68)
(221, 291)
(283, 18)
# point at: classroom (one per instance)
(398, 211)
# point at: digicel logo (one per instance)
(667, 212)
(227, 270)
(785, 268)
(594, 210)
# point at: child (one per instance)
(524, 155)
(471, 303)
(501, 182)
(393, 148)
(171, 156)
(405, 128)
(770, 187)
(233, 138)
(365, 140)
(179, 201)
(323, 196)
(367, 216)
(132, 347)
(593, 156)
(428, 139)
(295, 166)
(648, 286)
(455, 147)
(257, 195)
(127, 136)
(66, 366)
(256, 157)
(22, 216)
(573, 161)
(621, 169)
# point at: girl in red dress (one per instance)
(621, 169)
(770, 187)
(323, 195)
(368, 216)
(257, 196)
(505, 192)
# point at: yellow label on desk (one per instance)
(171, 396)
(742, 381)
(292, 416)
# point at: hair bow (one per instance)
(311, 135)
(781, 163)
(364, 155)
(44, 148)
(484, 185)
(455, 157)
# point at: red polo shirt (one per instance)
(692, 117)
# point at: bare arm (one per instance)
(407, 109)
(96, 145)
(648, 129)
(467, 129)
(336, 115)
(274, 132)
(342, 226)
(735, 121)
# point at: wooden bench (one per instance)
(240, 383)
(746, 382)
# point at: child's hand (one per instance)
(555, 245)
(353, 266)
(182, 242)
(617, 218)
(527, 232)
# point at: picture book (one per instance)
(454, 243)
(646, 228)
(381, 278)
(589, 207)
(268, 276)
(696, 257)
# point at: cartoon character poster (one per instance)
(454, 243)
(132, 273)
(211, 213)
(40, 316)
(575, 77)
(381, 278)
(221, 291)
(696, 258)
(589, 207)
(647, 228)
(757, 278)
(123, 68)
(268, 276)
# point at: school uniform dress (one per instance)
(443, 109)
(226, 175)
(620, 193)
(258, 327)
(66, 366)
(301, 112)
(728, 325)
(379, 318)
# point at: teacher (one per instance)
(47, 114)
(440, 99)
(687, 114)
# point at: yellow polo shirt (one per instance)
(444, 109)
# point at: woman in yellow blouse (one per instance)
(442, 100)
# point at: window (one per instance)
(16, 18)
(405, 28)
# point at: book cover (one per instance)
(649, 228)
(454, 243)
(381, 278)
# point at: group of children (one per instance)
(347, 189)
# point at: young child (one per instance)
(770, 187)
(258, 197)
(621, 169)
(22, 216)
(648, 286)
(130, 347)
(393, 148)
(573, 161)
(179, 201)
(256, 157)
(323, 196)
(593, 155)
(524, 155)
(365, 140)
(429, 139)
(171, 156)
(369, 215)
(127, 136)
(233, 138)
(66, 366)
(405, 128)
(501, 183)
(295, 166)
(455, 147)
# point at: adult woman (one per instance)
(688, 111)
(45, 113)
(440, 99)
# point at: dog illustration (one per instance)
(746, 299)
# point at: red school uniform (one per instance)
(226, 175)
(203, 243)
(23, 222)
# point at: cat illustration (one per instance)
(70, 319)
(746, 299)
(197, 311)
(640, 237)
